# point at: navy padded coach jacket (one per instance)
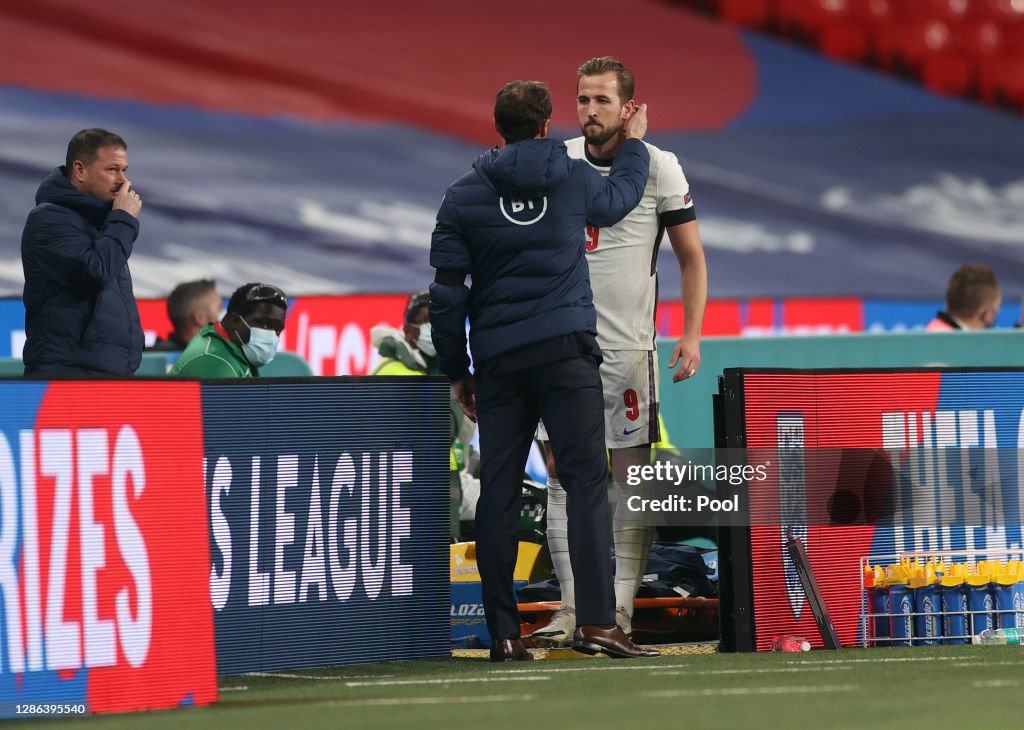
(80, 311)
(516, 225)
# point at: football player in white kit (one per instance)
(623, 276)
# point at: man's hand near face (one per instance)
(634, 126)
(127, 199)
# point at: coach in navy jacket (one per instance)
(80, 312)
(515, 224)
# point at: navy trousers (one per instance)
(567, 394)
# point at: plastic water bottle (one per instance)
(991, 637)
(789, 642)
(878, 599)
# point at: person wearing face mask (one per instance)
(973, 300)
(243, 341)
(410, 351)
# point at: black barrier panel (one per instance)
(328, 521)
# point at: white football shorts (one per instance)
(630, 382)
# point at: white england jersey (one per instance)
(623, 259)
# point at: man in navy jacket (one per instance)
(515, 224)
(80, 312)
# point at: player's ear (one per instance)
(544, 128)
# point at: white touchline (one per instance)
(615, 668)
(740, 691)
(812, 662)
(395, 701)
(321, 677)
(698, 672)
(997, 683)
(987, 664)
(461, 680)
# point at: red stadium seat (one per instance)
(1001, 80)
(806, 19)
(872, 13)
(988, 79)
(963, 47)
(948, 73)
(950, 11)
(1000, 11)
(707, 7)
(792, 17)
(845, 41)
(978, 40)
(903, 47)
(753, 13)
(1012, 38)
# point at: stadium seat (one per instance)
(753, 13)
(903, 47)
(949, 11)
(817, 17)
(960, 47)
(804, 19)
(972, 44)
(948, 73)
(708, 7)
(153, 363)
(871, 12)
(846, 41)
(1011, 39)
(976, 40)
(1000, 11)
(11, 366)
(286, 365)
(1001, 80)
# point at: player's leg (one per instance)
(632, 540)
(631, 421)
(558, 631)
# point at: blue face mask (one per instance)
(262, 345)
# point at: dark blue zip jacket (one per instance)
(80, 311)
(516, 225)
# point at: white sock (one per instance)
(558, 541)
(632, 546)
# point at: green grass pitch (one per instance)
(963, 687)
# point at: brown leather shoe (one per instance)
(510, 650)
(591, 639)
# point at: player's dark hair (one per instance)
(520, 109)
(86, 143)
(604, 64)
